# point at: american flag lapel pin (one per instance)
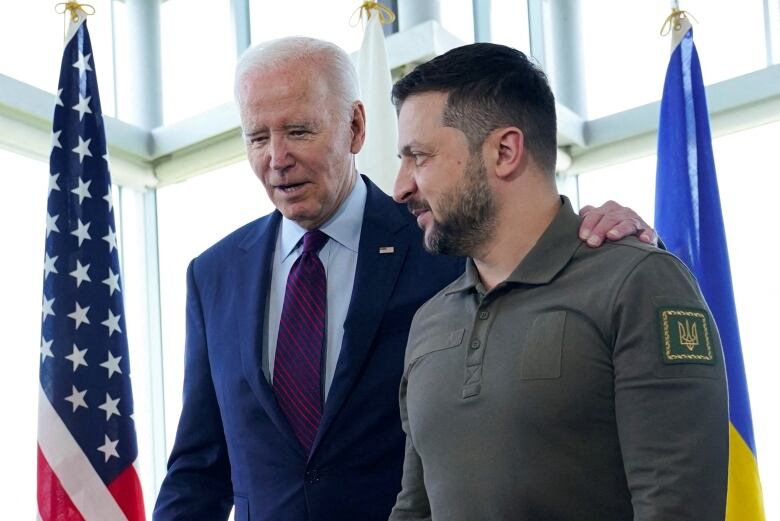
(386, 249)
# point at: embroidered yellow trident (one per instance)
(689, 335)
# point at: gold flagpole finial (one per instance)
(674, 21)
(74, 7)
(385, 14)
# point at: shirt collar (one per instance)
(551, 253)
(343, 227)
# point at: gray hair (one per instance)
(334, 62)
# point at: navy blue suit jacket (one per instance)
(234, 445)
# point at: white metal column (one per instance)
(415, 12)
(140, 103)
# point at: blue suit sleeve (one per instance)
(197, 485)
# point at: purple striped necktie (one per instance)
(297, 379)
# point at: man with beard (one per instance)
(296, 322)
(550, 381)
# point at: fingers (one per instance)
(590, 219)
(613, 221)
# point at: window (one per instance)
(325, 20)
(34, 56)
(191, 217)
(625, 57)
(198, 57)
(21, 279)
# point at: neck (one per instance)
(520, 224)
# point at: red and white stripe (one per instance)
(69, 488)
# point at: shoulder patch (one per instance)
(686, 336)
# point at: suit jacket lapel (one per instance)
(374, 281)
(253, 279)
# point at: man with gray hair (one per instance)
(297, 322)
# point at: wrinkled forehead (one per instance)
(284, 92)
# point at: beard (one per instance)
(468, 215)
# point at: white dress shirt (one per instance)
(339, 257)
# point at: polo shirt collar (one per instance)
(551, 253)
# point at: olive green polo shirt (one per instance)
(588, 386)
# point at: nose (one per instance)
(405, 185)
(280, 157)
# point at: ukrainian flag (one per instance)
(689, 219)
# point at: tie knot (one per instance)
(313, 241)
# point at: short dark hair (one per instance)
(489, 86)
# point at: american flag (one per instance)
(86, 434)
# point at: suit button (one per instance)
(312, 476)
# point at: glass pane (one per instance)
(132, 236)
(741, 160)
(747, 169)
(625, 57)
(198, 57)
(631, 184)
(509, 23)
(32, 43)
(457, 17)
(331, 21)
(21, 276)
(191, 217)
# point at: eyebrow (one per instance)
(289, 126)
(406, 150)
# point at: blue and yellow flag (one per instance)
(688, 216)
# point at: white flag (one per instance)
(379, 157)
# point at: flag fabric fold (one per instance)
(86, 433)
(379, 157)
(688, 217)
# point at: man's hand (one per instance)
(612, 221)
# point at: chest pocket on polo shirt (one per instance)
(437, 342)
(541, 357)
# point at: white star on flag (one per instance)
(55, 139)
(82, 107)
(82, 190)
(83, 149)
(82, 232)
(109, 197)
(80, 273)
(82, 64)
(77, 357)
(110, 406)
(112, 365)
(46, 349)
(111, 240)
(77, 399)
(112, 281)
(112, 323)
(59, 98)
(53, 185)
(109, 448)
(51, 224)
(80, 315)
(47, 304)
(48, 265)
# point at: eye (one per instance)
(258, 140)
(418, 158)
(299, 132)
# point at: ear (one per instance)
(509, 150)
(358, 127)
